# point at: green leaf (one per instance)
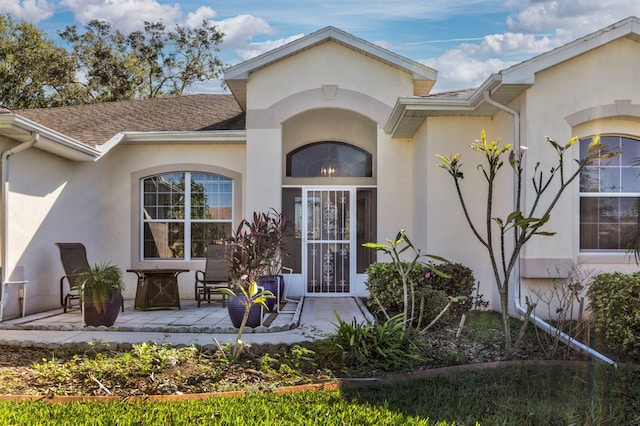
(226, 291)
(514, 215)
(376, 246)
(435, 257)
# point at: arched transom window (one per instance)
(329, 159)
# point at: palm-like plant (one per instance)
(99, 284)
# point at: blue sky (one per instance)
(464, 40)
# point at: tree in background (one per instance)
(102, 64)
(151, 63)
(34, 72)
(107, 71)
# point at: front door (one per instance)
(328, 239)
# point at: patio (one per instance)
(308, 319)
(209, 318)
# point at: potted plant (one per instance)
(276, 251)
(101, 294)
(258, 246)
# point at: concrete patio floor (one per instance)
(310, 319)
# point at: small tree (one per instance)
(395, 249)
(248, 294)
(524, 227)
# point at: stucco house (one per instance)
(339, 134)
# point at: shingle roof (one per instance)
(454, 94)
(95, 124)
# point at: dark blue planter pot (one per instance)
(236, 312)
(106, 318)
(281, 288)
(271, 284)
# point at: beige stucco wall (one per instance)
(395, 187)
(264, 171)
(90, 202)
(50, 200)
(440, 227)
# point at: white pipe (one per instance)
(4, 164)
(563, 337)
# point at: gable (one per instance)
(237, 76)
(327, 64)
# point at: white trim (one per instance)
(204, 137)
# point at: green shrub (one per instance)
(614, 300)
(385, 287)
(429, 303)
(461, 283)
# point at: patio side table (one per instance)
(157, 288)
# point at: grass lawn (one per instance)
(536, 395)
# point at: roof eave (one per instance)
(194, 137)
(399, 118)
(50, 140)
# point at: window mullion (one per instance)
(187, 216)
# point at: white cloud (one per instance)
(534, 27)
(240, 30)
(30, 10)
(518, 44)
(125, 15)
(459, 70)
(577, 17)
(469, 64)
(240, 33)
(204, 13)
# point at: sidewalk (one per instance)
(312, 320)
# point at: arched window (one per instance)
(609, 196)
(329, 159)
(184, 211)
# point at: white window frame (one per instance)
(137, 201)
(599, 194)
